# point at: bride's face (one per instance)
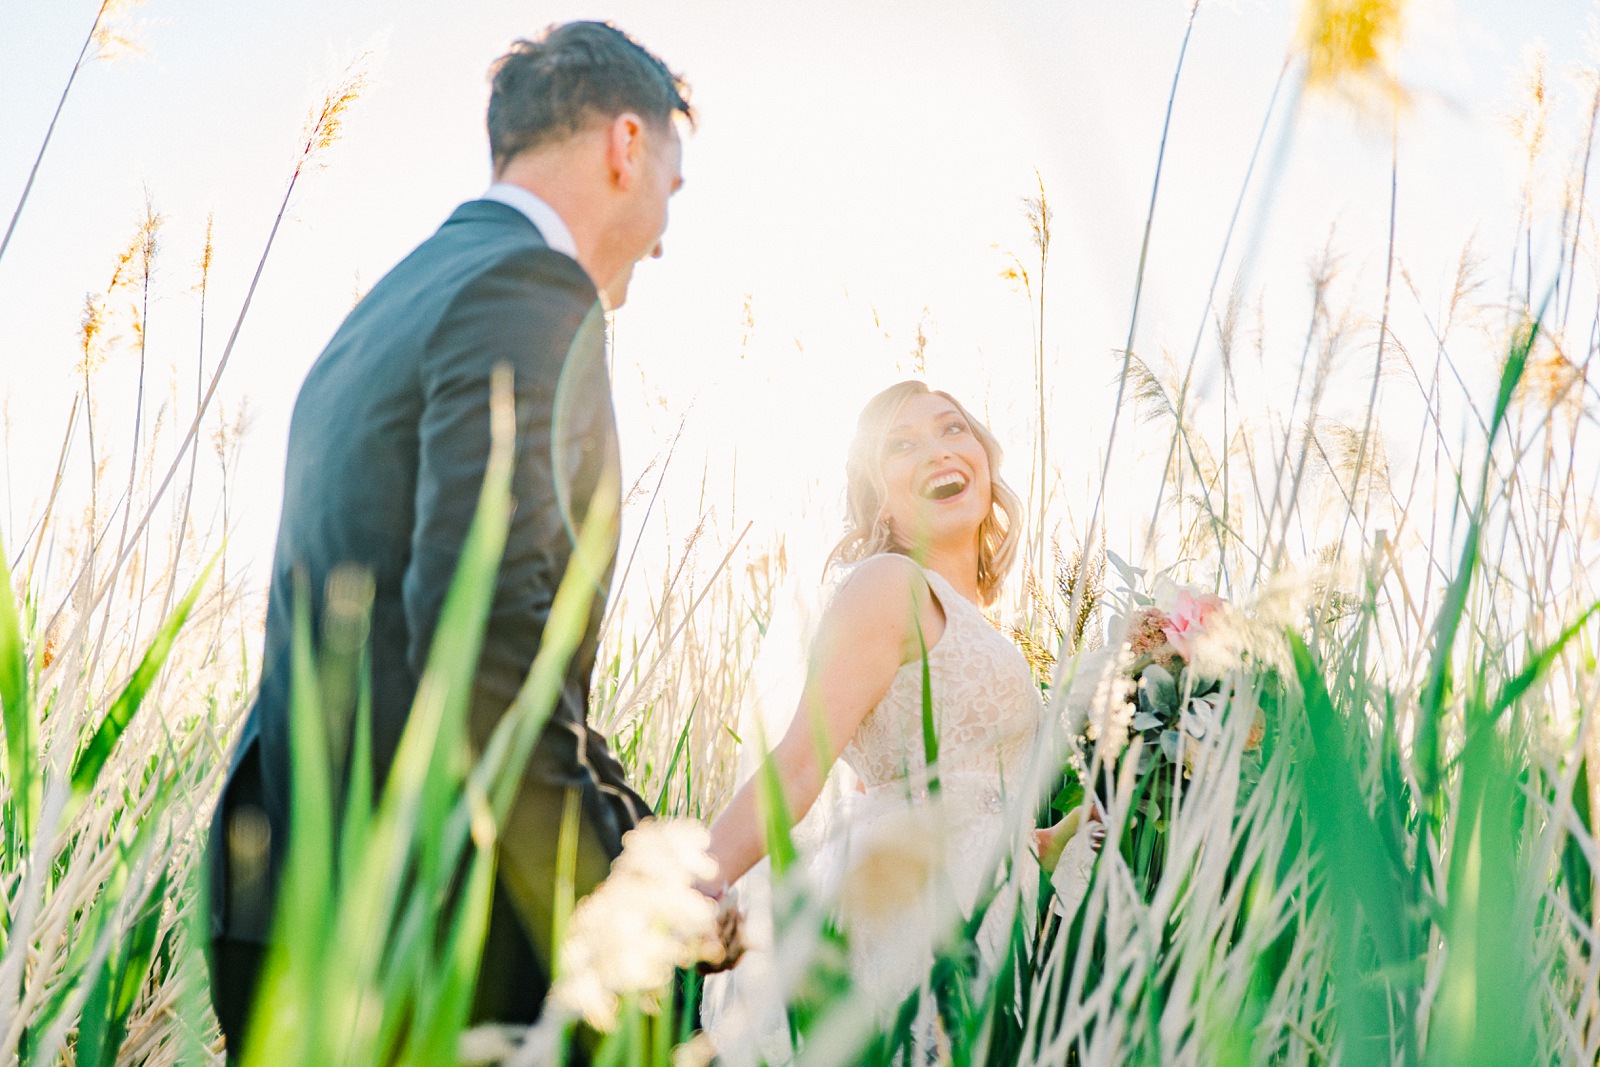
(936, 473)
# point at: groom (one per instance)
(387, 450)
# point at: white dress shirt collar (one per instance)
(541, 214)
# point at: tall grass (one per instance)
(127, 651)
(1412, 879)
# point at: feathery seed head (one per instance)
(115, 34)
(1039, 215)
(642, 922)
(1349, 45)
(893, 865)
(325, 123)
(91, 327)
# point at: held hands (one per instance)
(1052, 840)
(730, 932)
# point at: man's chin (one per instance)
(614, 295)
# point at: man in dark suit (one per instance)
(387, 450)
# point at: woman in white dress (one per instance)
(932, 532)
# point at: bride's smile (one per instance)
(936, 475)
(945, 485)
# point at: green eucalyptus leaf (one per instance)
(1169, 745)
(1158, 691)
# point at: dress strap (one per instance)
(950, 599)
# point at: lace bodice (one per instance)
(986, 707)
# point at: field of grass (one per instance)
(1410, 878)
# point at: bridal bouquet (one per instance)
(1189, 684)
(1174, 683)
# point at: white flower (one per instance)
(489, 1043)
(642, 922)
(698, 1051)
(666, 850)
(1095, 697)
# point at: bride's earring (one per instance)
(882, 532)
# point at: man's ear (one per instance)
(624, 148)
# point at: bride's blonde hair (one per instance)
(865, 491)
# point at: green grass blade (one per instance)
(1436, 691)
(677, 754)
(103, 1024)
(86, 768)
(509, 749)
(1363, 888)
(287, 1022)
(357, 821)
(19, 718)
(1436, 694)
(1490, 947)
(425, 778)
(777, 819)
(566, 893)
(930, 729)
(406, 864)
(448, 997)
(1535, 669)
(308, 873)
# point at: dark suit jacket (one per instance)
(387, 450)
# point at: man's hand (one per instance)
(730, 932)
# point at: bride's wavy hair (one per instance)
(865, 491)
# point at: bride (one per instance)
(932, 531)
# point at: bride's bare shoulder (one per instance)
(880, 573)
(879, 590)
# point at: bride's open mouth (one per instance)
(944, 485)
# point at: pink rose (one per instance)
(1186, 622)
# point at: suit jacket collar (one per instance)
(498, 214)
(557, 234)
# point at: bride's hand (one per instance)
(1052, 841)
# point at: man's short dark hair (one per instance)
(549, 88)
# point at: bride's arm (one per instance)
(862, 640)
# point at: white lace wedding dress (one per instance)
(905, 863)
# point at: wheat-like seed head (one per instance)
(115, 34)
(325, 124)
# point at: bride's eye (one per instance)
(897, 444)
(955, 427)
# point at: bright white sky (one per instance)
(857, 164)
